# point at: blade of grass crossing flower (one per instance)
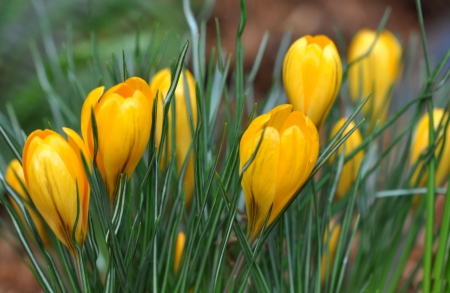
(429, 220)
(380, 28)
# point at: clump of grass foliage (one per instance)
(379, 224)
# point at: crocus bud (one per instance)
(56, 179)
(123, 117)
(351, 168)
(312, 76)
(184, 94)
(376, 73)
(179, 248)
(420, 144)
(330, 246)
(14, 178)
(286, 145)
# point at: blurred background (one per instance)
(37, 34)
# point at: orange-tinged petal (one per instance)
(123, 132)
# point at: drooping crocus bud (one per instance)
(330, 245)
(184, 94)
(312, 76)
(420, 144)
(376, 73)
(288, 149)
(179, 248)
(351, 168)
(14, 177)
(56, 179)
(123, 117)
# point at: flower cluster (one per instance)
(115, 127)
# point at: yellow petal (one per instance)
(278, 116)
(54, 176)
(86, 123)
(123, 132)
(312, 75)
(292, 165)
(179, 247)
(260, 178)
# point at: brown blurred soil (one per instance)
(15, 276)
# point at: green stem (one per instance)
(429, 221)
(443, 237)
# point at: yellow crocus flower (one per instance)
(351, 168)
(123, 116)
(312, 76)
(55, 178)
(15, 179)
(376, 73)
(179, 248)
(420, 143)
(183, 138)
(286, 156)
(332, 243)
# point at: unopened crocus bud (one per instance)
(123, 118)
(420, 144)
(312, 76)
(14, 178)
(330, 244)
(57, 183)
(351, 168)
(375, 73)
(184, 94)
(179, 248)
(286, 145)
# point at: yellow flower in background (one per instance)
(15, 179)
(351, 168)
(286, 156)
(376, 73)
(179, 248)
(55, 178)
(183, 139)
(312, 76)
(332, 244)
(123, 117)
(420, 144)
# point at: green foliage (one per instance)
(130, 245)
